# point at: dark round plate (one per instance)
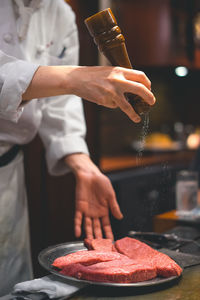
(48, 255)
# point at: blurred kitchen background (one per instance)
(163, 40)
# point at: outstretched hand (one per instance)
(95, 197)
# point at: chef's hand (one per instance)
(107, 85)
(94, 198)
(102, 85)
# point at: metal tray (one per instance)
(48, 255)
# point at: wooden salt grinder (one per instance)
(110, 41)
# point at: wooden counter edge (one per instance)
(116, 163)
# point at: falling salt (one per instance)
(144, 132)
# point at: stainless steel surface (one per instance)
(48, 255)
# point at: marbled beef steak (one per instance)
(119, 271)
(86, 258)
(99, 244)
(134, 262)
(141, 253)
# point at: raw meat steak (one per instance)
(99, 244)
(134, 262)
(119, 271)
(142, 253)
(86, 257)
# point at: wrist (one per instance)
(70, 79)
(80, 163)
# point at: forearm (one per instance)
(49, 81)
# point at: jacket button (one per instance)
(8, 37)
(40, 49)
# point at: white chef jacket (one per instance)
(51, 39)
(43, 34)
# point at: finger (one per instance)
(107, 227)
(139, 76)
(88, 228)
(113, 104)
(126, 107)
(112, 201)
(140, 90)
(77, 223)
(114, 207)
(97, 228)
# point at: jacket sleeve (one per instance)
(63, 126)
(15, 77)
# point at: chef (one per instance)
(43, 33)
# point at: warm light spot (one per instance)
(181, 71)
(193, 141)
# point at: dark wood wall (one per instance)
(159, 33)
